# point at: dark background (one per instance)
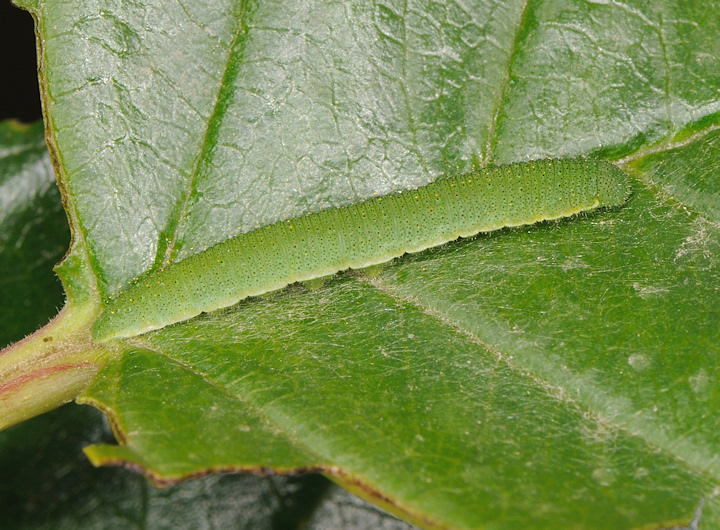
(19, 93)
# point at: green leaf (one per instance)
(33, 232)
(47, 483)
(44, 370)
(556, 376)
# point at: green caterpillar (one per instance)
(360, 235)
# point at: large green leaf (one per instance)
(48, 484)
(557, 376)
(46, 481)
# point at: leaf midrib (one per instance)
(168, 246)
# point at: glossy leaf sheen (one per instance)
(562, 375)
(47, 483)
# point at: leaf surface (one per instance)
(561, 375)
(47, 482)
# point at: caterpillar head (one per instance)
(613, 186)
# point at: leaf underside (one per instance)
(559, 375)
